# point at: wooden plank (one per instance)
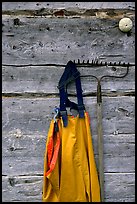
(24, 188)
(34, 114)
(38, 79)
(76, 30)
(27, 122)
(15, 144)
(6, 6)
(55, 40)
(34, 165)
(119, 153)
(118, 188)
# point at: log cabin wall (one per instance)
(36, 33)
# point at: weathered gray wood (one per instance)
(34, 165)
(122, 185)
(48, 40)
(26, 123)
(22, 188)
(56, 32)
(17, 144)
(33, 115)
(41, 79)
(6, 6)
(119, 152)
(119, 188)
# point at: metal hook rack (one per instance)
(96, 62)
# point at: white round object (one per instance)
(125, 24)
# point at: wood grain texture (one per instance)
(122, 185)
(35, 114)
(42, 79)
(26, 121)
(119, 188)
(35, 33)
(28, 150)
(66, 5)
(22, 189)
(46, 40)
(17, 144)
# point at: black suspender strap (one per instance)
(70, 73)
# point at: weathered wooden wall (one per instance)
(35, 33)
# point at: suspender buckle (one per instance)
(64, 117)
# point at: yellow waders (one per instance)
(70, 173)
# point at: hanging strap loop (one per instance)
(70, 74)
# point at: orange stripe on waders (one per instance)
(52, 153)
(88, 117)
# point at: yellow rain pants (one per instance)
(70, 173)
